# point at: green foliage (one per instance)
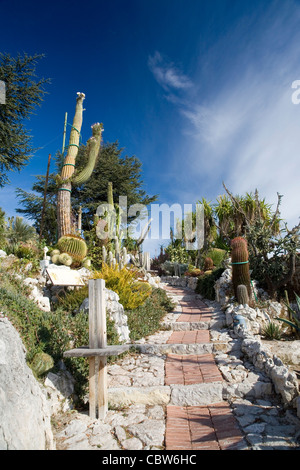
(295, 314)
(94, 247)
(32, 205)
(19, 231)
(177, 253)
(272, 331)
(174, 268)
(217, 255)
(23, 94)
(206, 282)
(132, 292)
(272, 257)
(145, 319)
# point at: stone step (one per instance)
(186, 326)
(200, 348)
(195, 325)
(187, 395)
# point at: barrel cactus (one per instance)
(66, 259)
(240, 264)
(74, 246)
(55, 258)
(208, 264)
(41, 364)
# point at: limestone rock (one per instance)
(25, 415)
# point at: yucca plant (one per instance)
(295, 315)
(272, 331)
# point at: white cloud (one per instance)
(167, 74)
(247, 132)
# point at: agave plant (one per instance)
(295, 324)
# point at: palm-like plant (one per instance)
(210, 228)
(19, 231)
(224, 212)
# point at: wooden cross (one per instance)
(97, 351)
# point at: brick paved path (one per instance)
(205, 427)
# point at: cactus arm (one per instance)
(69, 163)
(93, 147)
(110, 198)
(64, 192)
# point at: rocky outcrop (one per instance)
(24, 412)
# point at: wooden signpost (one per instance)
(97, 351)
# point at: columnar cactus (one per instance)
(67, 176)
(240, 264)
(242, 294)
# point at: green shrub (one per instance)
(125, 283)
(52, 333)
(206, 282)
(217, 255)
(145, 320)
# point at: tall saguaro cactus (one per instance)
(67, 176)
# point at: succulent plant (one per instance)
(41, 363)
(240, 264)
(74, 246)
(242, 294)
(68, 174)
(65, 258)
(55, 259)
(208, 264)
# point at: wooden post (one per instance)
(97, 340)
(97, 350)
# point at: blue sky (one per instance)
(200, 91)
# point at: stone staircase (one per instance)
(185, 388)
(197, 417)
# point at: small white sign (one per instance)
(64, 277)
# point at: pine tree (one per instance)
(23, 93)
